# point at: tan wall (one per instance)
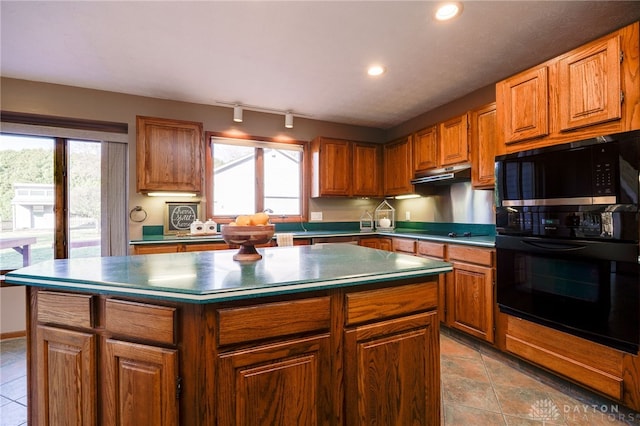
(66, 101)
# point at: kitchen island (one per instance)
(329, 334)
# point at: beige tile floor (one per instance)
(480, 386)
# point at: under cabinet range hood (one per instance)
(445, 175)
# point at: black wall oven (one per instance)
(567, 238)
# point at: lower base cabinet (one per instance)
(352, 356)
(389, 369)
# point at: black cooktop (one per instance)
(449, 234)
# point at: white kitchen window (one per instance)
(250, 176)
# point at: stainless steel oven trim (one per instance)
(585, 201)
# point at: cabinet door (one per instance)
(367, 179)
(66, 368)
(524, 101)
(398, 167)
(155, 248)
(168, 155)
(392, 372)
(285, 383)
(454, 140)
(331, 174)
(425, 149)
(139, 384)
(470, 300)
(483, 146)
(589, 85)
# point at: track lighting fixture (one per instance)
(288, 120)
(237, 114)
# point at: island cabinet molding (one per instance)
(590, 91)
(357, 355)
(169, 155)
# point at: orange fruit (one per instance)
(243, 220)
(260, 218)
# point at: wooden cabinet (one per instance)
(426, 152)
(282, 383)
(590, 91)
(66, 371)
(138, 382)
(470, 291)
(377, 243)
(524, 101)
(454, 140)
(436, 251)
(354, 355)
(367, 178)
(341, 168)
(401, 388)
(484, 146)
(398, 167)
(169, 155)
(331, 167)
(185, 247)
(404, 245)
(390, 359)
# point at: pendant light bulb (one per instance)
(288, 120)
(237, 114)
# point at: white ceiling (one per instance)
(306, 56)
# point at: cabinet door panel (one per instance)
(366, 165)
(484, 133)
(454, 140)
(526, 104)
(471, 300)
(398, 167)
(425, 149)
(67, 377)
(169, 155)
(392, 372)
(285, 383)
(331, 163)
(140, 384)
(590, 82)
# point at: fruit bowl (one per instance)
(247, 237)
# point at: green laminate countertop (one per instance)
(211, 276)
(474, 240)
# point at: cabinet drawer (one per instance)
(74, 310)
(426, 248)
(141, 321)
(468, 254)
(245, 324)
(403, 245)
(389, 302)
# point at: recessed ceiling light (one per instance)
(448, 11)
(375, 70)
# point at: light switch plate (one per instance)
(316, 215)
(407, 215)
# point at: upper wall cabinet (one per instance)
(398, 167)
(341, 168)
(426, 152)
(483, 130)
(454, 140)
(367, 178)
(169, 155)
(590, 91)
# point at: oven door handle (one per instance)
(554, 246)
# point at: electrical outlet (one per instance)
(407, 215)
(316, 215)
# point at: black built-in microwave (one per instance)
(587, 189)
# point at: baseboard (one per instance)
(13, 334)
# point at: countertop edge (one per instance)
(222, 296)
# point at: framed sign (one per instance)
(179, 216)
